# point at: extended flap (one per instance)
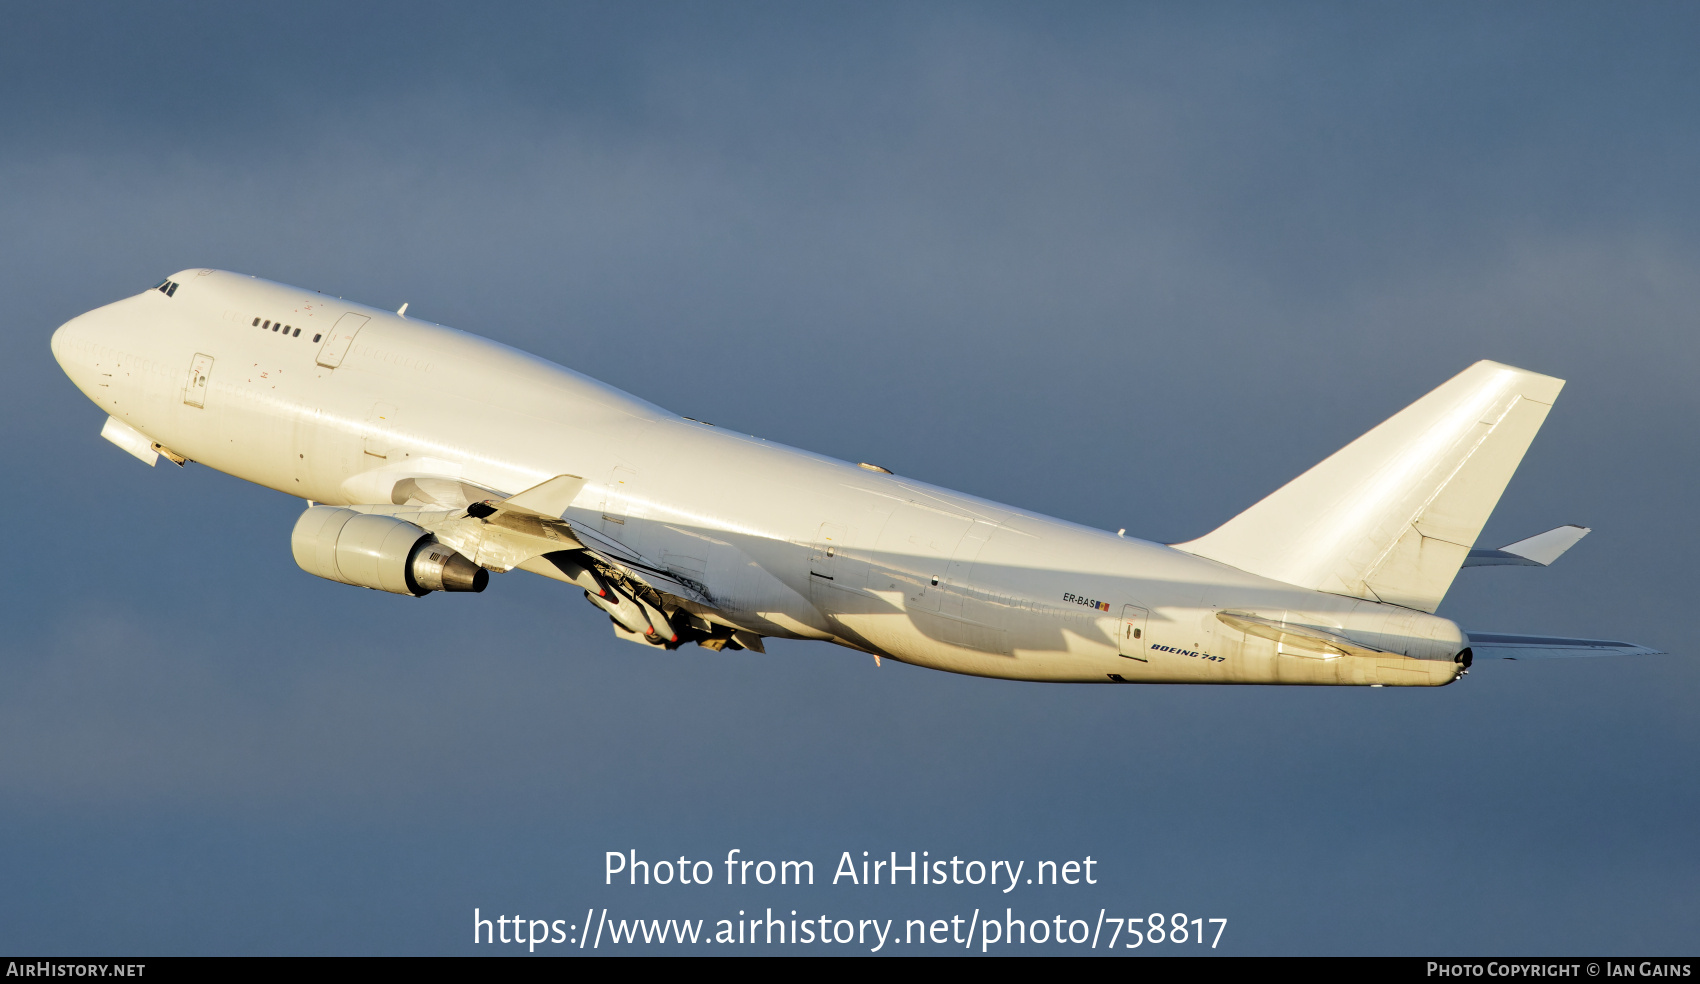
(528, 532)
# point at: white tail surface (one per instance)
(1391, 516)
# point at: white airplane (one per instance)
(430, 457)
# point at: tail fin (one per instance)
(1391, 516)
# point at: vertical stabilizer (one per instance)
(1391, 516)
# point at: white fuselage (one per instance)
(783, 542)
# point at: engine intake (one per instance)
(380, 552)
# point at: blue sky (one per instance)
(1131, 265)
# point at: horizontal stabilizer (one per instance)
(1539, 550)
(1499, 645)
(1392, 516)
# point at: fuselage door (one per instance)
(200, 370)
(1132, 634)
(342, 336)
(823, 558)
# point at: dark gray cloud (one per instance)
(1131, 265)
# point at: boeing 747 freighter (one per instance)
(430, 458)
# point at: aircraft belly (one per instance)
(1032, 646)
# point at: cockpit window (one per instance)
(167, 288)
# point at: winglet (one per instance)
(1539, 550)
(550, 498)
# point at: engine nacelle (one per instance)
(380, 552)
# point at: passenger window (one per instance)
(297, 333)
(315, 338)
(268, 324)
(256, 322)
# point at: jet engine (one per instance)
(380, 552)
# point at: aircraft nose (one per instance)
(65, 339)
(70, 344)
(60, 342)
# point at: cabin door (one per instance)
(342, 336)
(200, 371)
(823, 563)
(1132, 642)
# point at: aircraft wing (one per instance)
(522, 530)
(1499, 645)
(527, 529)
(497, 532)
